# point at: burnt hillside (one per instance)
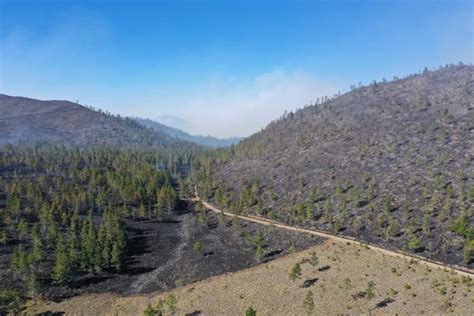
(390, 163)
(28, 120)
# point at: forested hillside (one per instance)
(28, 120)
(63, 211)
(389, 163)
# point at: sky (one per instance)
(222, 68)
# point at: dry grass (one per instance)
(413, 287)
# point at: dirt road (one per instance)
(268, 222)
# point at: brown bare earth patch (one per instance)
(338, 283)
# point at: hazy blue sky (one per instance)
(222, 67)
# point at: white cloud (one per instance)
(230, 108)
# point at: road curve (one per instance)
(260, 220)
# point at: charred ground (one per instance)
(390, 163)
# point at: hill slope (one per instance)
(208, 141)
(339, 284)
(29, 120)
(390, 163)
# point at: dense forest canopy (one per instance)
(62, 208)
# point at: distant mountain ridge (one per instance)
(208, 141)
(26, 120)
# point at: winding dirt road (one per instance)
(260, 220)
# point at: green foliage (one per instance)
(295, 272)
(313, 260)
(32, 283)
(369, 291)
(250, 311)
(62, 266)
(469, 251)
(308, 303)
(37, 252)
(414, 243)
(171, 303)
(202, 213)
(259, 240)
(461, 227)
(22, 229)
(119, 246)
(11, 301)
(105, 184)
(197, 246)
(4, 237)
(158, 310)
(13, 203)
(150, 311)
(19, 261)
(292, 249)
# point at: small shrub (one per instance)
(292, 249)
(172, 302)
(347, 284)
(197, 246)
(369, 291)
(250, 312)
(414, 243)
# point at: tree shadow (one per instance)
(325, 268)
(309, 282)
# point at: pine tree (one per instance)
(414, 243)
(259, 240)
(37, 252)
(13, 203)
(32, 282)
(313, 260)
(309, 303)
(295, 272)
(469, 251)
(99, 259)
(88, 243)
(19, 261)
(22, 229)
(309, 211)
(392, 228)
(61, 270)
(4, 238)
(73, 242)
(52, 235)
(119, 246)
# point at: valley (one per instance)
(362, 203)
(230, 158)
